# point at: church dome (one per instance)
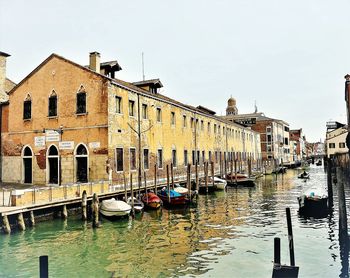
(231, 102)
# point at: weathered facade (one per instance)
(336, 141)
(69, 124)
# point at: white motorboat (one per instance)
(138, 205)
(220, 183)
(113, 207)
(180, 189)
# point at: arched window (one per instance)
(81, 102)
(27, 158)
(82, 165)
(53, 104)
(53, 165)
(27, 108)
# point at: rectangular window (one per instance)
(203, 156)
(174, 160)
(268, 138)
(209, 156)
(268, 129)
(160, 158)
(145, 159)
(215, 128)
(202, 125)
(144, 111)
(192, 121)
(286, 141)
(27, 110)
(185, 158)
(223, 130)
(331, 145)
(184, 121)
(193, 158)
(132, 159)
(342, 145)
(81, 103)
(52, 106)
(286, 128)
(159, 115)
(119, 159)
(269, 148)
(208, 127)
(172, 118)
(131, 108)
(198, 157)
(118, 104)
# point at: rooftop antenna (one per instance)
(143, 68)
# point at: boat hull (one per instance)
(151, 201)
(313, 207)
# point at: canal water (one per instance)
(228, 234)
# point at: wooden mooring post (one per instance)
(281, 271)
(20, 221)
(197, 177)
(84, 206)
(172, 175)
(32, 218)
(168, 182)
(6, 224)
(212, 173)
(44, 266)
(132, 197)
(189, 180)
(329, 183)
(206, 176)
(95, 211)
(155, 178)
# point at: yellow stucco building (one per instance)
(66, 123)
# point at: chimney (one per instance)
(3, 95)
(95, 61)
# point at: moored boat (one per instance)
(138, 204)
(113, 207)
(240, 179)
(151, 200)
(219, 184)
(304, 175)
(171, 197)
(313, 201)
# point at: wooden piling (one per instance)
(206, 176)
(172, 175)
(343, 226)
(329, 183)
(145, 181)
(64, 212)
(277, 251)
(20, 221)
(197, 177)
(290, 237)
(231, 170)
(32, 218)
(132, 197)
(212, 172)
(189, 179)
(155, 178)
(95, 211)
(44, 266)
(84, 206)
(236, 171)
(6, 224)
(168, 182)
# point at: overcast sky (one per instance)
(288, 56)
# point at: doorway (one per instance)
(53, 161)
(27, 165)
(81, 157)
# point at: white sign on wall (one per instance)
(39, 141)
(94, 145)
(52, 136)
(66, 145)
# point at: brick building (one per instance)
(66, 123)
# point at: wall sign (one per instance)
(66, 145)
(39, 141)
(52, 136)
(94, 145)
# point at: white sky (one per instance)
(289, 56)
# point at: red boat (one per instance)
(151, 200)
(175, 198)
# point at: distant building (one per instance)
(336, 139)
(299, 153)
(274, 133)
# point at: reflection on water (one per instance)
(228, 234)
